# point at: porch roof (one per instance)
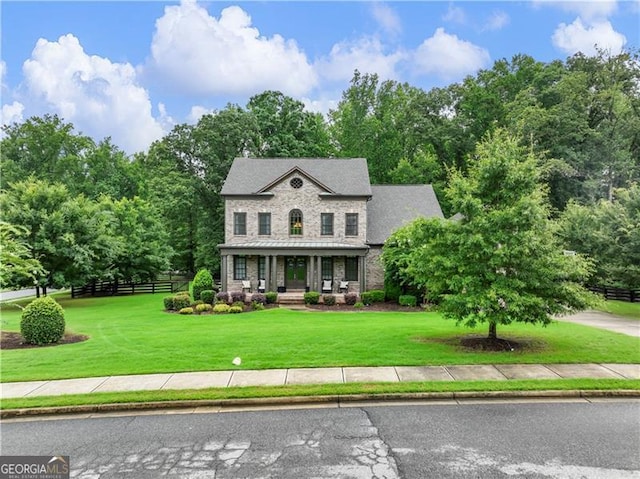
(292, 247)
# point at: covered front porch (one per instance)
(290, 266)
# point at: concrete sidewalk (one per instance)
(300, 376)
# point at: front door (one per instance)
(296, 267)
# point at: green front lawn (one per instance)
(132, 335)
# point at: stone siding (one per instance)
(375, 268)
(308, 200)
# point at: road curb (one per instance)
(314, 400)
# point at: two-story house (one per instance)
(296, 222)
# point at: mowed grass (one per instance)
(622, 308)
(132, 335)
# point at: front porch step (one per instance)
(293, 297)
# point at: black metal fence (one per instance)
(618, 294)
(108, 288)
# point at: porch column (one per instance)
(267, 273)
(223, 272)
(274, 273)
(319, 274)
(312, 273)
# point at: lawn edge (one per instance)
(326, 399)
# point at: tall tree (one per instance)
(140, 252)
(286, 129)
(45, 147)
(70, 236)
(502, 261)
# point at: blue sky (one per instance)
(132, 70)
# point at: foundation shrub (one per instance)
(329, 299)
(311, 297)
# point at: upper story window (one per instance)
(295, 222)
(326, 224)
(239, 223)
(264, 224)
(351, 224)
(296, 183)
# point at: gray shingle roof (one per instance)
(393, 206)
(342, 176)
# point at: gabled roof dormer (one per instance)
(334, 177)
(296, 172)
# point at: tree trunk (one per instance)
(492, 330)
(44, 291)
(37, 291)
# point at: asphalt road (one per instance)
(487, 440)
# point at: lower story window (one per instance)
(262, 267)
(351, 268)
(327, 268)
(239, 267)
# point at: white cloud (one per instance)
(387, 18)
(206, 55)
(578, 37)
(455, 15)
(198, 112)
(11, 113)
(366, 55)
(587, 10)
(496, 21)
(101, 98)
(448, 56)
(320, 106)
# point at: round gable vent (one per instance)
(296, 182)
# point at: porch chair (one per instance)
(246, 285)
(262, 286)
(344, 287)
(327, 286)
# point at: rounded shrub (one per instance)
(181, 301)
(259, 298)
(377, 295)
(222, 297)
(359, 305)
(350, 298)
(42, 321)
(186, 311)
(208, 296)
(311, 297)
(221, 308)
(329, 299)
(407, 300)
(238, 296)
(272, 297)
(236, 309)
(168, 303)
(203, 308)
(202, 281)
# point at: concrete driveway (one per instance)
(607, 321)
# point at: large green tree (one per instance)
(286, 129)
(140, 250)
(501, 262)
(70, 236)
(47, 148)
(608, 232)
